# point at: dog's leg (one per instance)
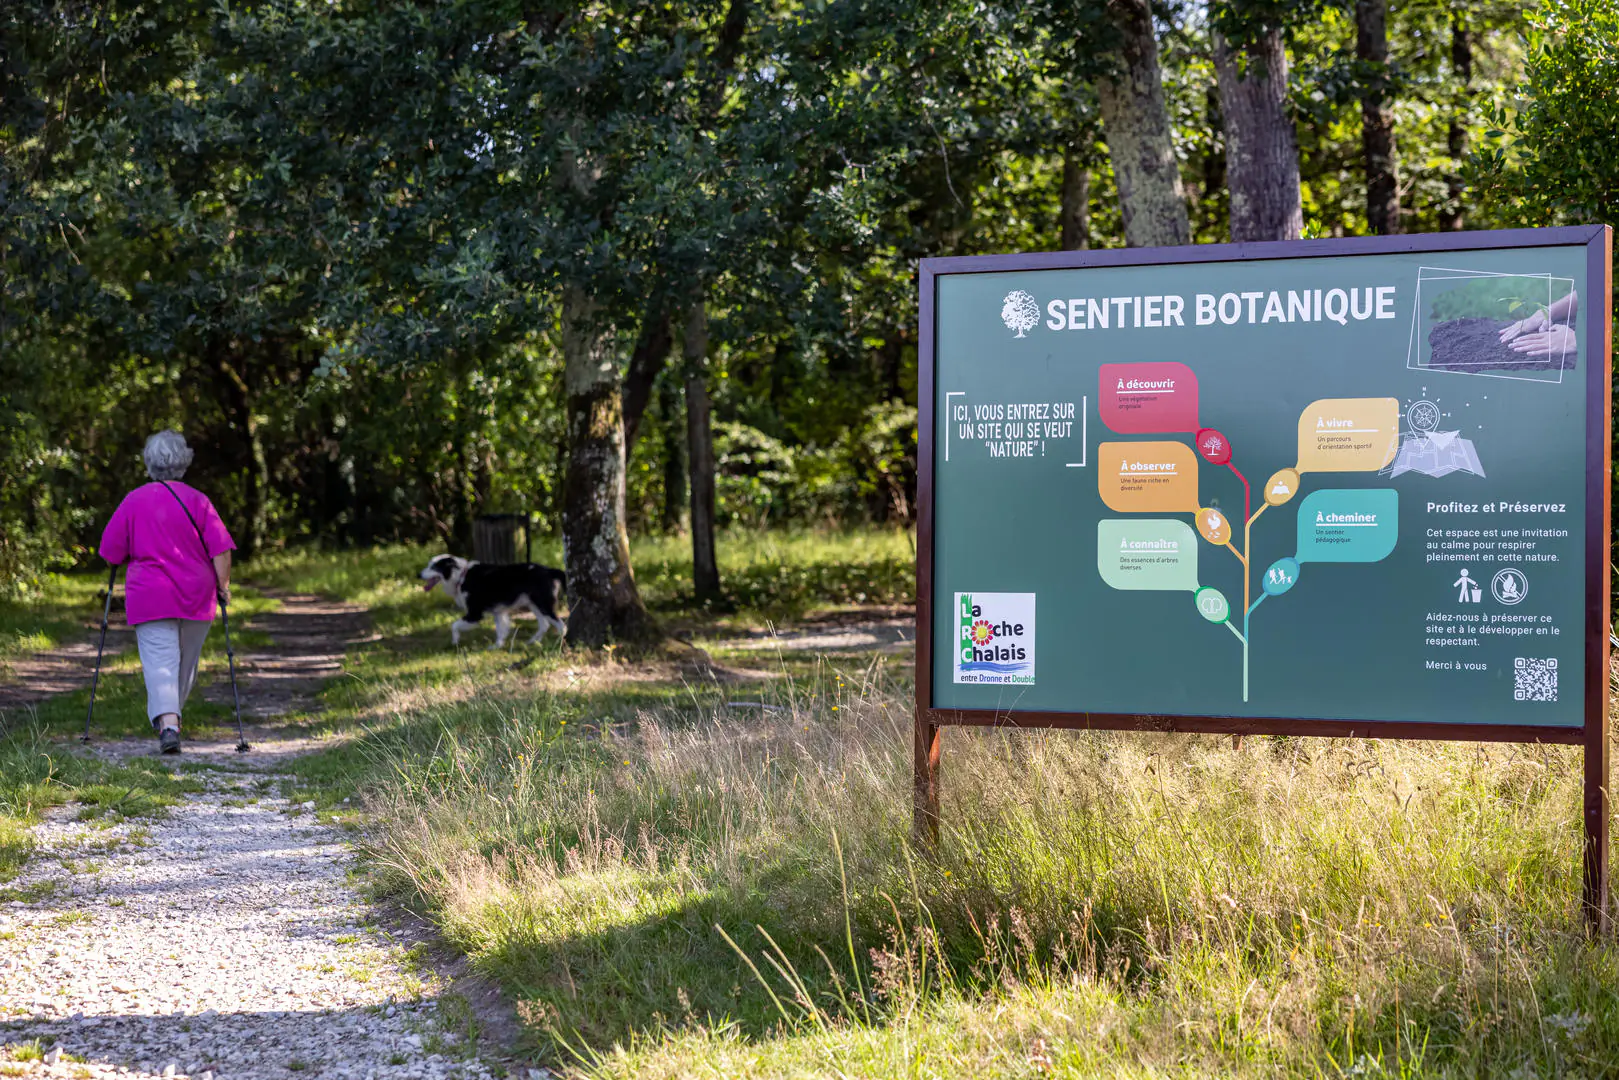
(547, 624)
(458, 626)
(542, 623)
(503, 627)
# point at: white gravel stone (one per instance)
(219, 941)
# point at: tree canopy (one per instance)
(347, 247)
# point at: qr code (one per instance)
(1534, 679)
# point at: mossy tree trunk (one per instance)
(605, 604)
(1135, 122)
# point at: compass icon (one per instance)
(1423, 415)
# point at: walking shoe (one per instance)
(168, 741)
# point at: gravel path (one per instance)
(223, 939)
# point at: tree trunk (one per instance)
(1076, 202)
(1461, 69)
(461, 510)
(256, 466)
(596, 545)
(651, 351)
(674, 455)
(1136, 124)
(1213, 164)
(705, 569)
(1262, 151)
(467, 420)
(1377, 123)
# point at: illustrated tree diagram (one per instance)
(1346, 525)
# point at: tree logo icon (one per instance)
(1020, 312)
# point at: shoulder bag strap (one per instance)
(209, 559)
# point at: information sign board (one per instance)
(1340, 487)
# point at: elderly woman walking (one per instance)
(178, 553)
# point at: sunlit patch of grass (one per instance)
(54, 614)
(32, 1050)
(16, 845)
(137, 788)
(773, 574)
(783, 574)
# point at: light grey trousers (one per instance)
(169, 650)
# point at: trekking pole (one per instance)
(106, 613)
(230, 658)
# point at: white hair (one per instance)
(166, 455)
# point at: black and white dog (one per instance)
(478, 589)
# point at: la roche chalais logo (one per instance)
(1020, 312)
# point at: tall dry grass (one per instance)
(735, 888)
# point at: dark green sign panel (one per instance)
(1357, 484)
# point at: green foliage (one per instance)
(1547, 161)
(868, 473)
(328, 242)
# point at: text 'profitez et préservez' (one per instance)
(1294, 305)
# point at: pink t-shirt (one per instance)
(167, 576)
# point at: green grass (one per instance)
(713, 891)
(774, 574)
(64, 605)
(783, 575)
(667, 886)
(38, 772)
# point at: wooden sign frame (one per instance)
(1596, 309)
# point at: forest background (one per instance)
(650, 267)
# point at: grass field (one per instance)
(684, 870)
(767, 575)
(716, 891)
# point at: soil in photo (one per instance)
(1474, 345)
